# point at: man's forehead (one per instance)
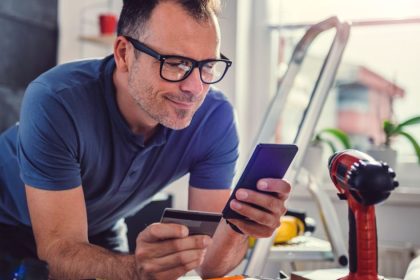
(171, 28)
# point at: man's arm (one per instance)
(163, 251)
(60, 227)
(226, 242)
(262, 223)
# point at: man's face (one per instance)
(171, 31)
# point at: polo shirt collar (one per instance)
(161, 134)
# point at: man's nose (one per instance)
(193, 83)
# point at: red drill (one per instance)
(363, 182)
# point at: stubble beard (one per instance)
(155, 106)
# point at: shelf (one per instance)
(302, 248)
(103, 40)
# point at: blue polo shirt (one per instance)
(72, 133)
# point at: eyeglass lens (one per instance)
(175, 69)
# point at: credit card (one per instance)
(198, 222)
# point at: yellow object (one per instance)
(289, 227)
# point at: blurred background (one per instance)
(377, 81)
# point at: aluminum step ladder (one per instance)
(259, 254)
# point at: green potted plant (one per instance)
(325, 136)
(393, 130)
(384, 151)
(314, 154)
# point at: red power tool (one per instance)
(363, 182)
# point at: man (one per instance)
(97, 139)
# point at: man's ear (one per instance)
(121, 54)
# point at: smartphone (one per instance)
(198, 222)
(267, 161)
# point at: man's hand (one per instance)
(165, 251)
(261, 223)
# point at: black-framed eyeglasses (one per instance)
(175, 68)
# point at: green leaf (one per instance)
(411, 121)
(331, 145)
(338, 134)
(414, 143)
(392, 129)
(389, 128)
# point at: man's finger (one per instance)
(269, 202)
(156, 232)
(256, 215)
(280, 186)
(170, 246)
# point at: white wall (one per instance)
(77, 18)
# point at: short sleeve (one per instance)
(218, 150)
(47, 142)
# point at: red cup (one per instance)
(107, 24)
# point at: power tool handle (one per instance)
(363, 245)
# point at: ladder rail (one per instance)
(259, 254)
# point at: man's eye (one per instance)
(178, 65)
(208, 67)
(173, 64)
